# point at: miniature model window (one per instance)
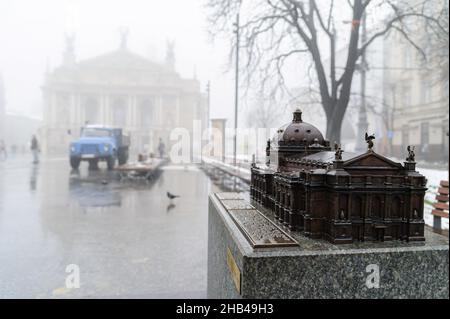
(357, 207)
(342, 206)
(376, 208)
(396, 207)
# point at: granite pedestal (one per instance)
(237, 268)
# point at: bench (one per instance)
(440, 207)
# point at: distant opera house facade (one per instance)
(120, 89)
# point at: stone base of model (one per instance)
(250, 256)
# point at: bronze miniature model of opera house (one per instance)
(339, 196)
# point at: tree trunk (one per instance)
(334, 125)
(336, 111)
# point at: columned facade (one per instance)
(119, 89)
(2, 108)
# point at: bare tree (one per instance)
(265, 112)
(275, 30)
(439, 48)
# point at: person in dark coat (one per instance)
(161, 148)
(3, 153)
(35, 149)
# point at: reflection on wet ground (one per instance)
(100, 188)
(127, 237)
(224, 181)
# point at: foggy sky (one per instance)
(32, 38)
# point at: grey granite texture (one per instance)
(229, 195)
(319, 269)
(236, 204)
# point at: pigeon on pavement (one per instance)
(171, 196)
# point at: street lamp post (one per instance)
(236, 90)
(208, 104)
(208, 117)
(362, 116)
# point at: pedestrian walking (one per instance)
(161, 148)
(3, 152)
(35, 149)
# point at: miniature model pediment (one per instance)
(372, 160)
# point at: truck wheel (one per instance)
(75, 162)
(111, 161)
(123, 157)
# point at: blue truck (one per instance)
(99, 143)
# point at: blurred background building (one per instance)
(2, 108)
(18, 140)
(121, 89)
(16, 128)
(405, 92)
(416, 93)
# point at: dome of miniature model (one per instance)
(298, 132)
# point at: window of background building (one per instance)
(424, 136)
(406, 96)
(169, 101)
(407, 57)
(425, 92)
(63, 107)
(91, 111)
(445, 138)
(119, 112)
(405, 135)
(169, 107)
(146, 140)
(147, 113)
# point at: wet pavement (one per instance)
(127, 238)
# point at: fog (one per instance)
(122, 162)
(32, 37)
(34, 42)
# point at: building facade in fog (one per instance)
(18, 130)
(120, 89)
(2, 108)
(416, 95)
